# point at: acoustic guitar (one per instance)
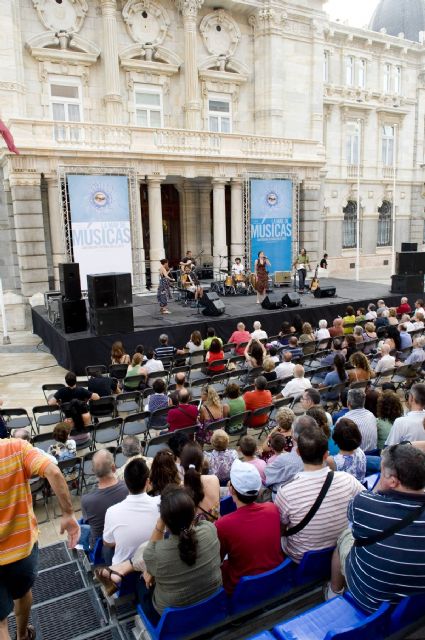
(315, 284)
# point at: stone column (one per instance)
(192, 107)
(156, 233)
(219, 224)
(204, 220)
(310, 219)
(191, 218)
(237, 246)
(369, 232)
(139, 262)
(56, 227)
(111, 66)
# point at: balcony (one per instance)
(388, 173)
(353, 170)
(66, 138)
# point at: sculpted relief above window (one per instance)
(61, 15)
(146, 20)
(220, 33)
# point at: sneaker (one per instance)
(329, 594)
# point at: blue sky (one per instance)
(355, 13)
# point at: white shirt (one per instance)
(385, 363)
(130, 523)
(322, 334)
(284, 370)
(371, 315)
(153, 365)
(409, 427)
(259, 334)
(418, 324)
(296, 387)
(419, 310)
(409, 326)
(366, 422)
(238, 268)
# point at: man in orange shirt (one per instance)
(19, 461)
(260, 397)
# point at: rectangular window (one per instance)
(387, 78)
(349, 71)
(65, 100)
(388, 146)
(148, 102)
(361, 80)
(397, 80)
(352, 145)
(326, 66)
(219, 115)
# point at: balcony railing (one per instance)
(353, 170)
(388, 173)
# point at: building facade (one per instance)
(189, 98)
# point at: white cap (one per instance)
(245, 478)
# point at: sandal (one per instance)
(110, 586)
(31, 633)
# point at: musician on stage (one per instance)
(301, 264)
(188, 259)
(163, 294)
(261, 276)
(190, 281)
(238, 267)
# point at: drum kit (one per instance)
(238, 284)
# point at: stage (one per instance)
(74, 351)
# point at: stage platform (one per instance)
(74, 351)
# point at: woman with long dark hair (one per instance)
(254, 353)
(261, 275)
(163, 472)
(204, 489)
(163, 294)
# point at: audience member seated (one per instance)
(250, 536)
(240, 337)
(297, 324)
(194, 345)
(260, 397)
(152, 365)
(281, 467)
(204, 489)
(350, 457)
(130, 523)
(389, 408)
(369, 332)
(285, 333)
(419, 307)
(382, 318)
(349, 320)
(269, 369)
(311, 398)
(335, 377)
(297, 385)
(135, 368)
(164, 350)
(78, 418)
(234, 402)
(405, 319)
(328, 360)
(184, 414)
(286, 368)
(118, 354)
(297, 498)
(344, 409)
(361, 368)
(411, 426)
(248, 448)
(404, 307)
(221, 458)
(307, 339)
(385, 362)
(337, 328)
(254, 353)
(358, 334)
(210, 336)
(211, 410)
(258, 333)
(371, 312)
(102, 385)
(64, 448)
(131, 448)
(322, 332)
(72, 392)
(163, 472)
(349, 346)
(360, 315)
(180, 380)
(392, 338)
(273, 353)
(24, 434)
(284, 419)
(381, 557)
(293, 348)
(158, 399)
(141, 349)
(392, 318)
(215, 352)
(418, 354)
(364, 419)
(95, 504)
(405, 338)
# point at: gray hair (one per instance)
(131, 446)
(300, 423)
(418, 393)
(358, 330)
(257, 325)
(22, 434)
(163, 337)
(240, 326)
(103, 463)
(356, 398)
(323, 324)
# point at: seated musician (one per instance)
(190, 281)
(188, 259)
(238, 267)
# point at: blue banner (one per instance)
(271, 222)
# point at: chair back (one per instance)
(103, 407)
(134, 382)
(237, 423)
(135, 424)
(51, 387)
(227, 505)
(158, 418)
(43, 441)
(371, 627)
(128, 401)
(118, 371)
(218, 424)
(95, 369)
(156, 444)
(315, 566)
(251, 591)
(107, 431)
(410, 608)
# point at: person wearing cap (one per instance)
(250, 536)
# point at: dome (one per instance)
(400, 16)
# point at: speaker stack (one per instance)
(110, 303)
(410, 272)
(72, 309)
(212, 303)
(325, 292)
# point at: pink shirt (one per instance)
(260, 465)
(240, 337)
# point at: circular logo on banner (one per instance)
(100, 199)
(272, 199)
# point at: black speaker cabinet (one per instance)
(325, 292)
(409, 246)
(104, 322)
(123, 291)
(271, 302)
(72, 314)
(410, 263)
(106, 290)
(407, 284)
(290, 300)
(69, 278)
(213, 305)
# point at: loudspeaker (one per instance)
(325, 292)
(123, 292)
(103, 322)
(290, 300)
(101, 290)
(69, 278)
(72, 314)
(409, 246)
(213, 305)
(271, 302)
(282, 277)
(407, 284)
(410, 263)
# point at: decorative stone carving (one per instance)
(189, 8)
(66, 15)
(268, 21)
(73, 49)
(220, 33)
(146, 20)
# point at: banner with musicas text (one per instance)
(271, 204)
(100, 224)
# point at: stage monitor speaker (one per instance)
(104, 322)
(72, 314)
(123, 291)
(291, 300)
(213, 305)
(69, 278)
(409, 246)
(271, 302)
(101, 290)
(410, 263)
(325, 292)
(282, 278)
(407, 284)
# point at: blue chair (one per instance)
(227, 506)
(408, 610)
(371, 481)
(314, 567)
(178, 623)
(96, 554)
(251, 591)
(337, 619)
(264, 635)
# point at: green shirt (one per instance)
(302, 261)
(207, 341)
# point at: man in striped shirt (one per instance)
(385, 568)
(295, 499)
(364, 419)
(19, 461)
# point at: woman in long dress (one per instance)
(261, 275)
(164, 294)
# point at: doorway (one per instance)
(170, 222)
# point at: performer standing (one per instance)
(261, 275)
(301, 264)
(164, 294)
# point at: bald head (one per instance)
(385, 350)
(287, 356)
(22, 434)
(103, 463)
(184, 396)
(298, 371)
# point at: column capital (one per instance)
(237, 181)
(155, 179)
(189, 8)
(216, 182)
(108, 7)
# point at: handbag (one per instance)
(315, 507)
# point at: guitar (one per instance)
(315, 284)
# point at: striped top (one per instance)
(366, 422)
(395, 567)
(19, 461)
(294, 501)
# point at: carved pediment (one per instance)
(151, 59)
(63, 47)
(67, 15)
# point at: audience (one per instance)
(418, 354)
(307, 339)
(102, 385)
(361, 368)
(364, 419)
(293, 348)
(72, 392)
(135, 369)
(385, 362)
(285, 369)
(350, 457)
(184, 414)
(204, 488)
(64, 447)
(260, 397)
(254, 354)
(221, 458)
(211, 410)
(194, 345)
(281, 466)
(284, 419)
(258, 333)
(164, 350)
(118, 354)
(322, 332)
(163, 472)
(389, 408)
(349, 320)
(131, 449)
(337, 328)
(410, 427)
(215, 353)
(210, 337)
(235, 404)
(248, 448)
(335, 377)
(152, 365)
(297, 385)
(158, 399)
(404, 307)
(240, 337)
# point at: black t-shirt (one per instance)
(102, 386)
(323, 263)
(66, 394)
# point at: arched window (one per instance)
(349, 228)
(384, 224)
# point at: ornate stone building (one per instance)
(188, 98)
